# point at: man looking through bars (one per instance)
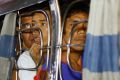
(75, 27)
(29, 59)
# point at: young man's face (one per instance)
(27, 37)
(39, 20)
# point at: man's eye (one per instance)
(43, 24)
(70, 24)
(80, 31)
(26, 25)
(34, 24)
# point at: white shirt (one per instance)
(26, 61)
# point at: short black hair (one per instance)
(78, 7)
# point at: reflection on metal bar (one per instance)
(19, 34)
(61, 46)
(55, 52)
(48, 50)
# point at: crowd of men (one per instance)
(34, 35)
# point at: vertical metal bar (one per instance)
(19, 34)
(55, 51)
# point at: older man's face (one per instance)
(78, 33)
(78, 36)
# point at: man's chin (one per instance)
(77, 48)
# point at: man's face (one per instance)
(27, 37)
(77, 30)
(78, 33)
(39, 20)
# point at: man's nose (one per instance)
(35, 33)
(31, 36)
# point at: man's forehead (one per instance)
(40, 16)
(79, 16)
(26, 18)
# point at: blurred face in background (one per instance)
(27, 37)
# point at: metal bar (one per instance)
(55, 52)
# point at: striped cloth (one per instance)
(102, 49)
(7, 46)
